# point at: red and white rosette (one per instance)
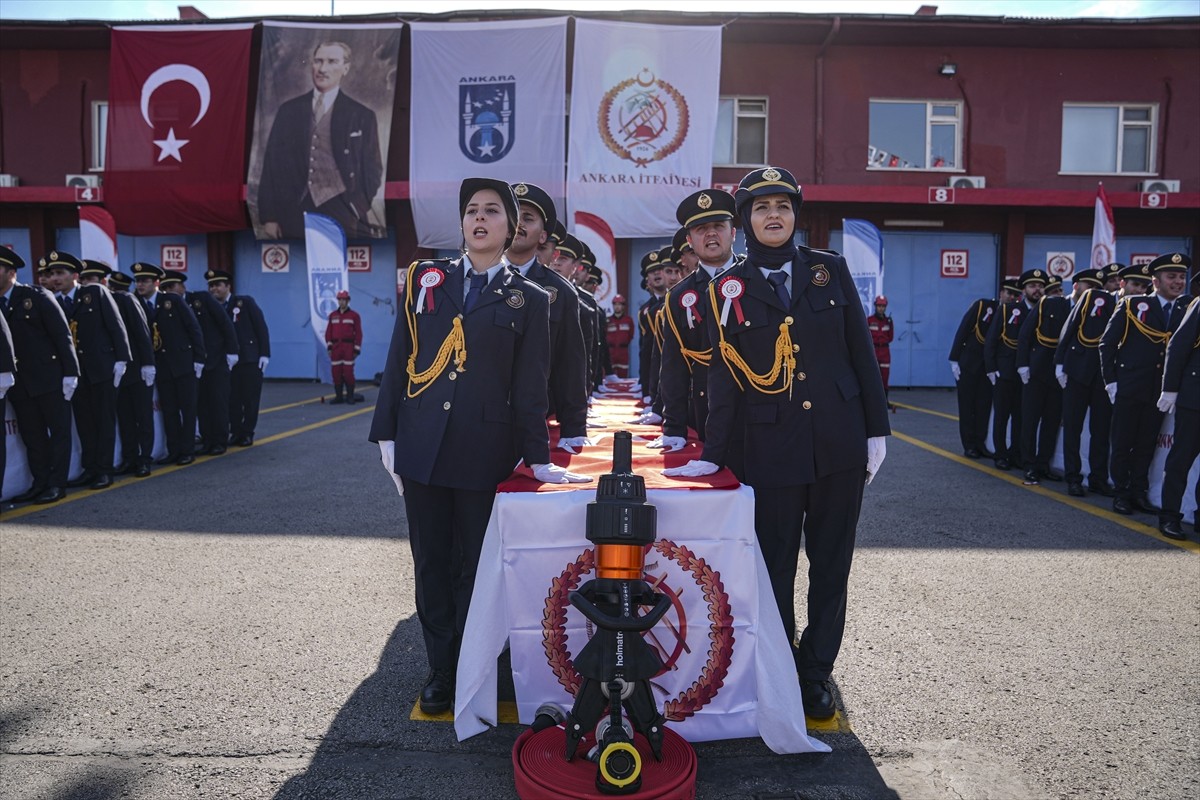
(1097, 304)
(732, 290)
(430, 279)
(1142, 308)
(689, 301)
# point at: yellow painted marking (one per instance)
(1073, 502)
(506, 714)
(309, 401)
(925, 410)
(167, 470)
(835, 724)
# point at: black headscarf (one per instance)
(762, 255)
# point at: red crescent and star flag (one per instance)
(177, 128)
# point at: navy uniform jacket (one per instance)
(284, 181)
(100, 336)
(1132, 355)
(254, 340)
(141, 349)
(967, 347)
(7, 361)
(467, 430)
(587, 321)
(684, 376)
(646, 345)
(836, 399)
(1000, 345)
(1182, 370)
(568, 356)
(1039, 338)
(220, 339)
(1078, 348)
(180, 343)
(41, 340)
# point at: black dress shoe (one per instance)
(1031, 477)
(184, 460)
(141, 471)
(1121, 506)
(1141, 502)
(1075, 489)
(33, 492)
(102, 482)
(438, 694)
(123, 469)
(1002, 463)
(972, 453)
(215, 450)
(83, 480)
(245, 441)
(51, 495)
(167, 459)
(1047, 475)
(985, 452)
(1172, 529)
(818, 699)
(1103, 489)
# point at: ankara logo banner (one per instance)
(485, 131)
(177, 117)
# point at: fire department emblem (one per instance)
(643, 119)
(553, 292)
(820, 275)
(487, 123)
(669, 637)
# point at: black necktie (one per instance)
(777, 279)
(478, 281)
(3, 304)
(1167, 310)
(66, 304)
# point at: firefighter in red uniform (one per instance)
(882, 333)
(620, 334)
(343, 337)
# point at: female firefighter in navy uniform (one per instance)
(791, 345)
(463, 397)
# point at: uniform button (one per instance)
(807, 405)
(795, 348)
(458, 316)
(788, 320)
(801, 376)
(446, 406)
(747, 323)
(453, 376)
(832, 303)
(702, 394)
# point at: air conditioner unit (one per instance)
(967, 182)
(1158, 185)
(83, 181)
(9, 181)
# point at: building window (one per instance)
(1108, 139)
(741, 139)
(99, 134)
(914, 134)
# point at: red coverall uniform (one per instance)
(343, 337)
(882, 334)
(620, 334)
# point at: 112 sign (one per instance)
(954, 263)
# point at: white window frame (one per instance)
(99, 135)
(930, 120)
(765, 115)
(1122, 124)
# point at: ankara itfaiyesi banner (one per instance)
(325, 252)
(643, 116)
(862, 246)
(487, 100)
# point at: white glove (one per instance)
(199, 368)
(231, 359)
(876, 450)
(647, 399)
(551, 473)
(693, 469)
(1111, 388)
(574, 444)
(992, 377)
(1061, 374)
(596, 425)
(649, 418)
(387, 454)
(148, 374)
(611, 378)
(956, 370)
(1166, 402)
(7, 379)
(603, 389)
(1023, 372)
(637, 387)
(262, 363)
(69, 387)
(668, 444)
(119, 368)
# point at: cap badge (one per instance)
(521, 190)
(1037, 273)
(210, 274)
(704, 201)
(654, 256)
(820, 275)
(771, 174)
(1176, 259)
(54, 255)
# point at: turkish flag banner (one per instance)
(177, 128)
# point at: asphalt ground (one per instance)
(244, 628)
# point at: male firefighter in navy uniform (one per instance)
(1132, 350)
(1041, 395)
(221, 348)
(135, 395)
(8, 377)
(254, 340)
(179, 357)
(47, 377)
(1181, 397)
(1000, 361)
(1077, 369)
(973, 389)
(707, 216)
